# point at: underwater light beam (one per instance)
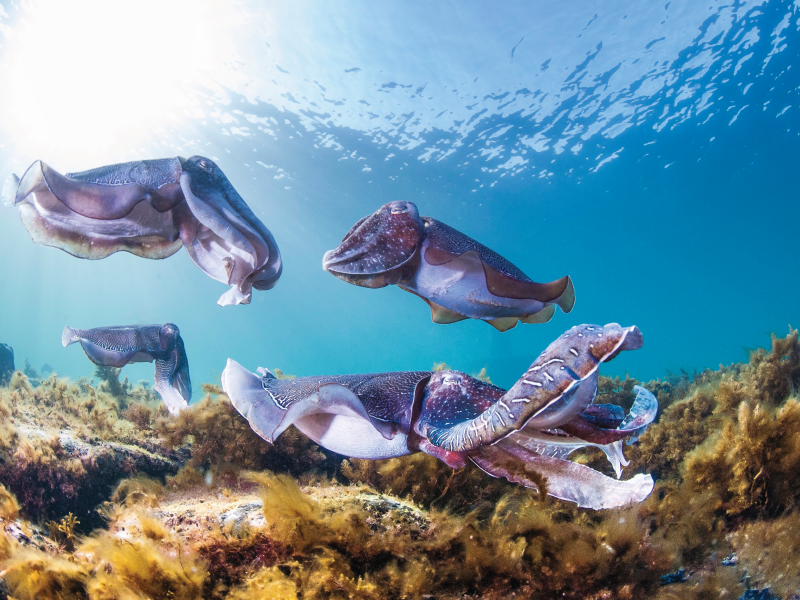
(97, 80)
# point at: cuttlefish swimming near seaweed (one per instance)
(457, 276)
(548, 413)
(119, 346)
(151, 208)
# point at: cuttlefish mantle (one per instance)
(550, 412)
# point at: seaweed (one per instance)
(770, 552)
(245, 519)
(64, 446)
(221, 440)
(428, 482)
(752, 463)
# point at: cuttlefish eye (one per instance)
(204, 164)
(398, 208)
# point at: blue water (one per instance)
(649, 151)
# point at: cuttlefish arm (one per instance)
(150, 208)
(225, 238)
(557, 387)
(119, 346)
(361, 416)
(540, 421)
(379, 248)
(566, 480)
(563, 441)
(528, 455)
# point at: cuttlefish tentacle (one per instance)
(119, 346)
(457, 276)
(566, 480)
(642, 413)
(151, 208)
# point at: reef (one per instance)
(122, 501)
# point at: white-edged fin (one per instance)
(251, 400)
(69, 336)
(333, 399)
(565, 479)
(8, 195)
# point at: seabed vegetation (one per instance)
(106, 497)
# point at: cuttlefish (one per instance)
(119, 346)
(532, 427)
(151, 208)
(457, 276)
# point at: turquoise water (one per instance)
(648, 152)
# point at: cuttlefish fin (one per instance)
(502, 277)
(248, 396)
(439, 314)
(561, 291)
(543, 316)
(333, 399)
(565, 479)
(269, 420)
(442, 315)
(504, 323)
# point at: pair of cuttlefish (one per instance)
(151, 208)
(546, 415)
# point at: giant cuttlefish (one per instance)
(118, 346)
(534, 426)
(457, 276)
(151, 208)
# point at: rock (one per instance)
(243, 516)
(6, 363)
(56, 474)
(388, 513)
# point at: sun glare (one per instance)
(90, 81)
